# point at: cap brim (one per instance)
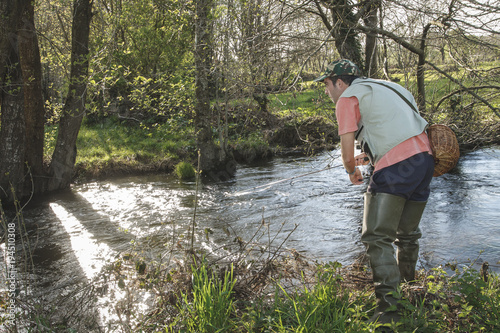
(321, 78)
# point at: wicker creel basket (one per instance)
(445, 148)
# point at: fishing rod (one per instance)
(268, 185)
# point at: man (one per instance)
(383, 118)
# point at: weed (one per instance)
(185, 171)
(208, 308)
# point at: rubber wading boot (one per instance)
(382, 213)
(407, 239)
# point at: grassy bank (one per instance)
(255, 286)
(114, 146)
(331, 298)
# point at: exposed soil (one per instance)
(281, 135)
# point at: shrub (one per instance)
(185, 171)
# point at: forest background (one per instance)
(93, 88)
(97, 88)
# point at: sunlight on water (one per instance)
(96, 223)
(92, 257)
(140, 209)
(88, 251)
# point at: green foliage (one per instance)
(165, 95)
(461, 303)
(325, 307)
(50, 141)
(142, 59)
(131, 143)
(53, 20)
(306, 103)
(211, 305)
(479, 299)
(254, 141)
(119, 90)
(185, 171)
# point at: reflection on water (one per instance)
(460, 221)
(78, 230)
(88, 251)
(462, 218)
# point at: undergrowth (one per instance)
(254, 285)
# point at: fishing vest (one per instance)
(386, 118)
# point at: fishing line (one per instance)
(291, 179)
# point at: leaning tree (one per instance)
(22, 113)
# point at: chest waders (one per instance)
(389, 219)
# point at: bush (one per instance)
(185, 171)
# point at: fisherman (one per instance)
(382, 117)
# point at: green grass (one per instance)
(208, 307)
(112, 140)
(436, 303)
(118, 141)
(185, 171)
(323, 307)
(306, 103)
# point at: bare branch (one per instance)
(464, 88)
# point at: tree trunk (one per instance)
(31, 66)
(343, 19)
(64, 157)
(12, 130)
(212, 156)
(10, 13)
(421, 71)
(371, 48)
(12, 133)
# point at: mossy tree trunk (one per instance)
(212, 156)
(64, 157)
(31, 66)
(12, 121)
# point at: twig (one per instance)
(195, 201)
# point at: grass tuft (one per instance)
(185, 171)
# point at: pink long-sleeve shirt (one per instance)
(348, 117)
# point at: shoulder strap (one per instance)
(399, 94)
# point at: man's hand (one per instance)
(357, 177)
(361, 159)
(348, 159)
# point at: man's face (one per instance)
(334, 90)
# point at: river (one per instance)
(74, 233)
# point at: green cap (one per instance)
(339, 67)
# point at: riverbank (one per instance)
(290, 294)
(113, 148)
(253, 290)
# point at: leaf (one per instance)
(208, 232)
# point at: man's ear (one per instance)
(341, 84)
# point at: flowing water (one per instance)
(74, 233)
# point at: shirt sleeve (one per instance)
(348, 115)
